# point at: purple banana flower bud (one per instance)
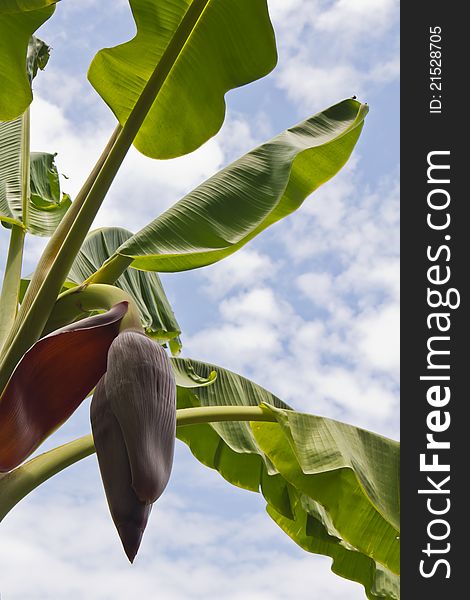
(133, 414)
(142, 392)
(129, 514)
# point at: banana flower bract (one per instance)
(51, 381)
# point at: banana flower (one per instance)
(133, 410)
(133, 417)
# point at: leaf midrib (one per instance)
(276, 214)
(165, 65)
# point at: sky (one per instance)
(309, 309)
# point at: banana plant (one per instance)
(96, 307)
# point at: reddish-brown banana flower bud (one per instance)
(139, 390)
(51, 381)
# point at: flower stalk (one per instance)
(21, 481)
(77, 302)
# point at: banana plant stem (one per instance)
(11, 281)
(21, 481)
(217, 414)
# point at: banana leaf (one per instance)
(30, 195)
(219, 45)
(41, 207)
(239, 202)
(332, 487)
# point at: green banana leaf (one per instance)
(221, 44)
(146, 288)
(48, 204)
(262, 187)
(346, 469)
(19, 20)
(45, 205)
(330, 499)
(37, 56)
(186, 376)
(18, 6)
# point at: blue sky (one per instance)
(309, 309)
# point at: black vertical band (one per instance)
(435, 251)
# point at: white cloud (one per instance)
(240, 271)
(358, 17)
(61, 543)
(78, 145)
(350, 18)
(318, 287)
(235, 346)
(378, 338)
(329, 51)
(332, 347)
(258, 306)
(313, 87)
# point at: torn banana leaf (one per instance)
(45, 204)
(18, 22)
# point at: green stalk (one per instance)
(84, 299)
(64, 245)
(9, 296)
(21, 481)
